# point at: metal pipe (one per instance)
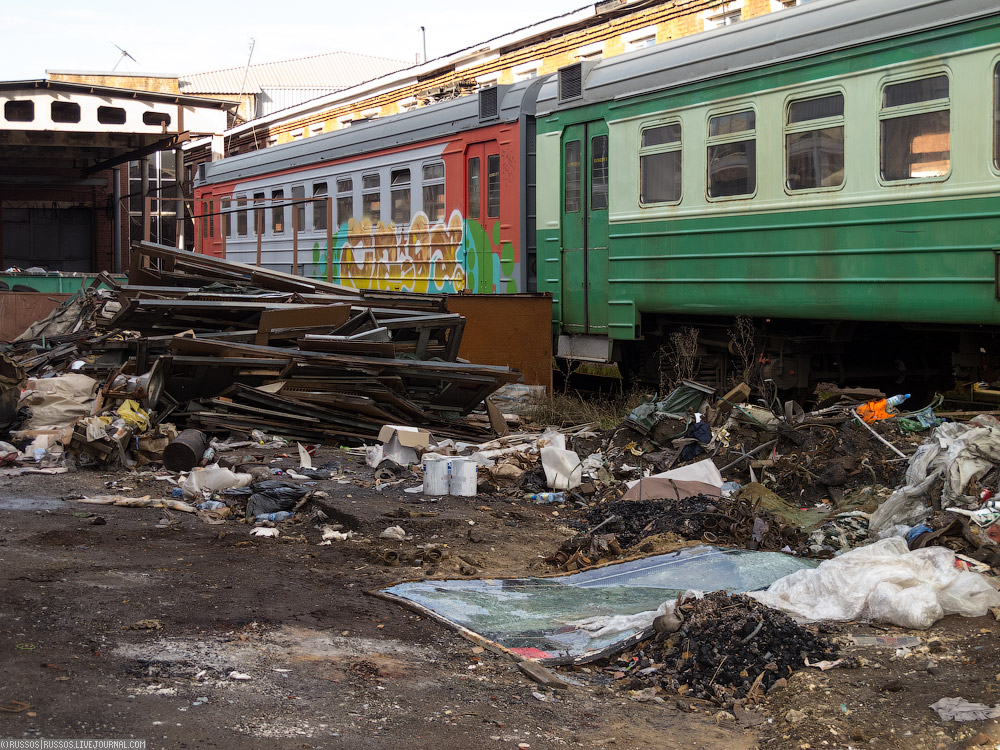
(423, 33)
(116, 221)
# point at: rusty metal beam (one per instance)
(161, 145)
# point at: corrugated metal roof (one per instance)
(331, 71)
(273, 98)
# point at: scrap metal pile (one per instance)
(222, 346)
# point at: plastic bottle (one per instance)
(211, 505)
(547, 497)
(281, 515)
(897, 400)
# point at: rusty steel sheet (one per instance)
(18, 310)
(508, 329)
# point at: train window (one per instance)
(493, 186)
(299, 206)
(228, 217)
(732, 154)
(996, 116)
(399, 195)
(814, 143)
(204, 220)
(319, 207)
(572, 177)
(599, 173)
(258, 213)
(371, 198)
(345, 199)
(433, 191)
(241, 216)
(660, 164)
(211, 219)
(915, 124)
(475, 188)
(277, 211)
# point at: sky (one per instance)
(185, 36)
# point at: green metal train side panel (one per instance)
(920, 251)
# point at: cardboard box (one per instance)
(403, 444)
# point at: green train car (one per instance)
(832, 171)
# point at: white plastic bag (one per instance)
(563, 469)
(883, 582)
(212, 479)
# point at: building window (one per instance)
(433, 191)
(593, 51)
(345, 199)
(111, 115)
(299, 206)
(165, 190)
(732, 154)
(19, 111)
(371, 198)
(241, 216)
(599, 173)
(526, 71)
(572, 176)
(777, 5)
(639, 38)
(475, 188)
(65, 112)
(156, 119)
(319, 207)
(297, 135)
(814, 143)
(660, 164)
(277, 211)
(724, 15)
(493, 186)
(915, 124)
(399, 195)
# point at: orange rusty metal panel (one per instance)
(18, 310)
(508, 329)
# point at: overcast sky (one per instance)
(187, 36)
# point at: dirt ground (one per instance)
(261, 642)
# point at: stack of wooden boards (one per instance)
(243, 348)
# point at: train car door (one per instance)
(584, 267)
(482, 208)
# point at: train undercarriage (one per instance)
(790, 357)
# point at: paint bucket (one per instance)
(435, 475)
(462, 477)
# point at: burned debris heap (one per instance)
(225, 347)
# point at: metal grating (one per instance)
(571, 82)
(489, 103)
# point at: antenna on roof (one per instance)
(423, 33)
(239, 100)
(124, 54)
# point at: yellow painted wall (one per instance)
(673, 19)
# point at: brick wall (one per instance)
(673, 19)
(158, 84)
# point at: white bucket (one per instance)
(435, 476)
(462, 477)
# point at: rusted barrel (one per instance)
(184, 453)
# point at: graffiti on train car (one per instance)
(425, 257)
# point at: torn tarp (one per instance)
(541, 617)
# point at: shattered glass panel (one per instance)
(537, 616)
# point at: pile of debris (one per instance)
(625, 524)
(723, 648)
(225, 347)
